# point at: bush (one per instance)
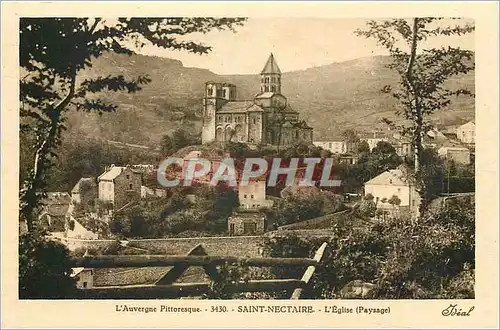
(44, 268)
(405, 259)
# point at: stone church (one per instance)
(267, 119)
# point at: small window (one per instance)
(251, 196)
(130, 186)
(390, 181)
(254, 121)
(85, 284)
(128, 177)
(245, 196)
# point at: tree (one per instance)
(53, 51)
(363, 148)
(351, 139)
(44, 268)
(405, 259)
(384, 157)
(423, 73)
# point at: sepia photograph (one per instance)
(277, 164)
(109, 106)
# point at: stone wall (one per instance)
(317, 223)
(242, 246)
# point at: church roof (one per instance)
(239, 106)
(271, 66)
(264, 95)
(289, 109)
(303, 124)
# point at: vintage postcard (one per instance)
(250, 165)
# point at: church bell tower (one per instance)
(270, 77)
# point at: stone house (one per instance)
(84, 191)
(348, 159)
(467, 133)
(246, 223)
(337, 147)
(460, 155)
(403, 147)
(55, 211)
(392, 183)
(248, 219)
(253, 195)
(119, 185)
(84, 277)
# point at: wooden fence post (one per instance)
(309, 271)
(176, 272)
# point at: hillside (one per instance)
(331, 98)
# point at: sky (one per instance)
(297, 43)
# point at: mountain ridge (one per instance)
(331, 98)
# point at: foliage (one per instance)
(180, 138)
(176, 215)
(422, 73)
(383, 157)
(432, 258)
(300, 207)
(301, 150)
(351, 138)
(228, 277)
(52, 53)
(44, 268)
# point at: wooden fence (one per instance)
(165, 287)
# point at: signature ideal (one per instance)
(454, 310)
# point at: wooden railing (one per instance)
(165, 287)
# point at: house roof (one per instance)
(303, 124)
(446, 148)
(468, 124)
(77, 270)
(264, 95)
(111, 173)
(114, 171)
(271, 66)
(236, 106)
(289, 109)
(391, 177)
(77, 186)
